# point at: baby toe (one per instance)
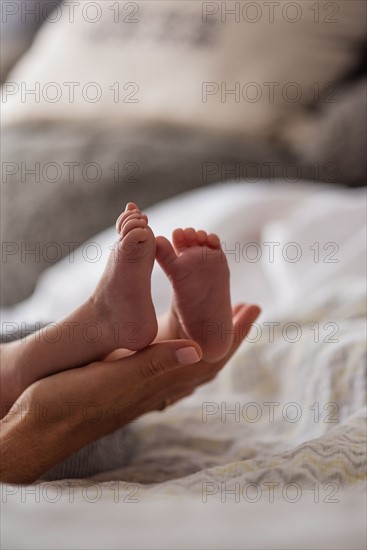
(125, 216)
(133, 223)
(178, 239)
(201, 237)
(131, 206)
(213, 241)
(190, 236)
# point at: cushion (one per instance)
(331, 142)
(19, 22)
(238, 67)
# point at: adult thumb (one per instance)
(157, 359)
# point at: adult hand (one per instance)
(202, 372)
(60, 414)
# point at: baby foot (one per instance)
(199, 273)
(120, 310)
(123, 294)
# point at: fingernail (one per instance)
(187, 356)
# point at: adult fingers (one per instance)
(236, 308)
(243, 319)
(159, 359)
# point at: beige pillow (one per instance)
(177, 62)
(331, 143)
(19, 23)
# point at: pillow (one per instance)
(331, 142)
(238, 67)
(18, 24)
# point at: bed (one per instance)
(272, 453)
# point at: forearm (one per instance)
(28, 448)
(33, 439)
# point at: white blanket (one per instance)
(272, 454)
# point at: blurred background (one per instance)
(105, 102)
(112, 101)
